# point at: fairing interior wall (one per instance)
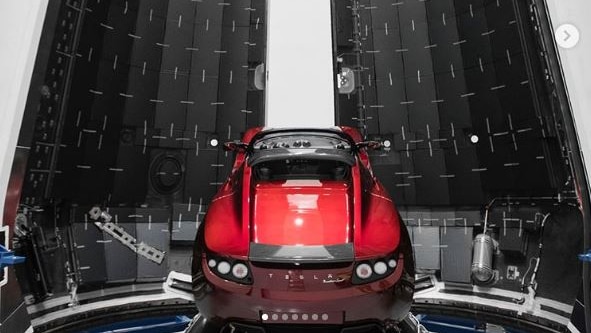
(123, 116)
(459, 90)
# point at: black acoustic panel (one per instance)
(446, 73)
(422, 111)
(258, 30)
(254, 108)
(462, 162)
(92, 130)
(233, 71)
(559, 264)
(526, 216)
(392, 176)
(156, 75)
(201, 176)
(179, 260)
(90, 251)
(145, 63)
(456, 254)
(48, 76)
(224, 165)
(155, 234)
(368, 76)
(511, 93)
(442, 217)
(147, 78)
(130, 175)
(172, 91)
(392, 114)
(343, 26)
(175, 66)
(103, 258)
(513, 241)
(201, 114)
(121, 261)
(389, 75)
(426, 247)
(433, 178)
(186, 220)
(348, 110)
(453, 110)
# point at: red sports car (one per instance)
(302, 234)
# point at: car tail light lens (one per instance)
(363, 271)
(223, 267)
(229, 269)
(392, 263)
(380, 268)
(373, 270)
(239, 270)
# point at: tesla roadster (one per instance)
(302, 234)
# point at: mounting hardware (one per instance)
(149, 252)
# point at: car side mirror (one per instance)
(369, 144)
(235, 146)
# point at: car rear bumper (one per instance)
(272, 303)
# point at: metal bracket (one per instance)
(180, 285)
(346, 81)
(149, 252)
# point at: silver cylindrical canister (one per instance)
(482, 259)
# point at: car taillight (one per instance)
(229, 269)
(363, 271)
(373, 270)
(392, 263)
(212, 263)
(380, 268)
(239, 270)
(223, 267)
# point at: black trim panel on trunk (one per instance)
(301, 254)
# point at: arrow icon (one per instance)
(567, 36)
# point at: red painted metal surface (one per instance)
(380, 225)
(225, 230)
(301, 212)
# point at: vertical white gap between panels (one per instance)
(299, 64)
